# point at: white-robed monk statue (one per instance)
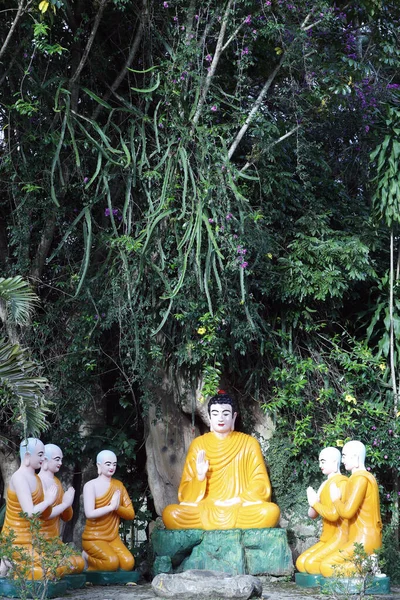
(225, 484)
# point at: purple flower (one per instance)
(85, 179)
(208, 58)
(235, 236)
(245, 51)
(244, 264)
(196, 17)
(96, 317)
(214, 108)
(393, 86)
(229, 216)
(115, 211)
(107, 212)
(390, 431)
(373, 428)
(366, 128)
(175, 18)
(103, 314)
(211, 220)
(248, 19)
(388, 496)
(385, 456)
(165, 4)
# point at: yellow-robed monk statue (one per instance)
(335, 529)
(224, 484)
(360, 506)
(62, 506)
(106, 502)
(25, 495)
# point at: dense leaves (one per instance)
(189, 186)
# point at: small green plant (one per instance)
(352, 582)
(50, 555)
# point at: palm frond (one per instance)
(25, 390)
(19, 298)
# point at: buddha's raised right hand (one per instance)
(202, 465)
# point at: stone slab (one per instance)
(203, 585)
(232, 551)
(305, 580)
(112, 577)
(34, 589)
(351, 585)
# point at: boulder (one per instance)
(201, 584)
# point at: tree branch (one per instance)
(90, 41)
(14, 24)
(255, 108)
(213, 67)
(283, 137)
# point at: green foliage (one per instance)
(53, 558)
(353, 577)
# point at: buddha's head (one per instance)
(222, 412)
(353, 455)
(106, 463)
(31, 451)
(329, 460)
(53, 458)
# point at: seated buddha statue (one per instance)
(224, 484)
(106, 502)
(25, 495)
(334, 532)
(360, 506)
(61, 508)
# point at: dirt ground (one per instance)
(271, 591)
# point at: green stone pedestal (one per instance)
(350, 585)
(305, 580)
(112, 577)
(76, 581)
(9, 589)
(233, 551)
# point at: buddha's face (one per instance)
(327, 463)
(222, 420)
(108, 465)
(36, 457)
(55, 462)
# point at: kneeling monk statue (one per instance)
(62, 506)
(335, 529)
(360, 506)
(224, 484)
(25, 495)
(106, 501)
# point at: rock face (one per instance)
(206, 584)
(234, 551)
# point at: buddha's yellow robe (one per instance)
(50, 529)
(100, 538)
(334, 532)
(361, 508)
(236, 469)
(20, 526)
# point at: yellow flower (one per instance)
(201, 330)
(382, 366)
(350, 398)
(43, 6)
(339, 443)
(269, 255)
